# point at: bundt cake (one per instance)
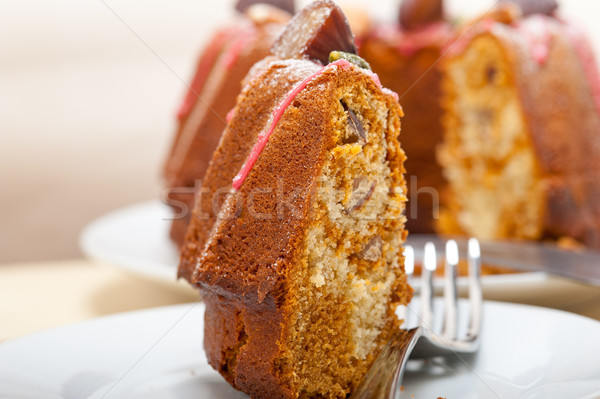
(406, 58)
(521, 150)
(296, 241)
(202, 116)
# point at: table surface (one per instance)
(38, 296)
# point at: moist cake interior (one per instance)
(351, 260)
(489, 161)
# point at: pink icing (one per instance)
(375, 78)
(392, 93)
(278, 112)
(230, 115)
(205, 65)
(584, 51)
(411, 41)
(536, 31)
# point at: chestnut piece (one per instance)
(415, 13)
(315, 32)
(362, 191)
(355, 124)
(373, 250)
(530, 7)
(285, 5)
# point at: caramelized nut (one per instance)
(285, 5)
(315, 32)
(505, 13)
(362, 190)
(356, 126)
(530, 7)
(414, 13)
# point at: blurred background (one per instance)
(88, 92)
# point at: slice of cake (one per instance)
(202, 116)
(522, 150)
(406, 57)
(302, 270)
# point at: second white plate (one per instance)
(136, 238)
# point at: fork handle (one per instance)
(385, 375)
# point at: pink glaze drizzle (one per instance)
(391, 93)
(536, 31)
(230, 115)
(375, 78)
(411, 41)
(205, 65)
(278, 112)
(584, 51)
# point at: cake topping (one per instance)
(286, 5)
(529, 7)
(415, 13)
(353, 58)
(315, 32)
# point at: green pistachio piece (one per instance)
(353, 58)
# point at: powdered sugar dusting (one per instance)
(278, 112)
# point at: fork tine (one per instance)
(409, 260)
(450, 297)
(429, 267)
(409, 269)
(475, 291)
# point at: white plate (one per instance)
(137, 238)
(526, 353)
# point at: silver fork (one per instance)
(385, 376)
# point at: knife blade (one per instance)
(582, 265)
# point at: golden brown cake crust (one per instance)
(244, 265)
(291, 160)
(239, 137)
(562, 120)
